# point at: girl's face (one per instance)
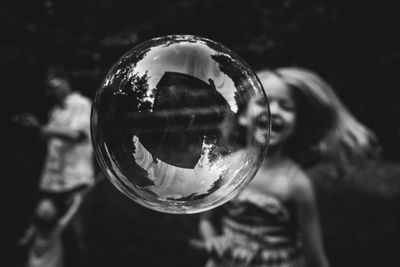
(283, 110)
(256, 121)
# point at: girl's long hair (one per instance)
(325, 128)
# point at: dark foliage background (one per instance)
(352, 44)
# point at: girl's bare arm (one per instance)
(309, 223)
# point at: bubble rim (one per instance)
(171, 206)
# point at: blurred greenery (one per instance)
(359, 213)
(352, 44)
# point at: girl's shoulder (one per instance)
(278, 180)
(300, 187)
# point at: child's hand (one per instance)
(22, 241)
(27, 120)
(219, 245)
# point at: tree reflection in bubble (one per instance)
(165, 124)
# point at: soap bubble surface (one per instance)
(180, 124)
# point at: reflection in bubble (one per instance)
(172, 127)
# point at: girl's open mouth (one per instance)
(277, 126)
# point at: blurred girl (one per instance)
(274, 221)
(44, 235)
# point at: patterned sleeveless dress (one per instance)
(263, 231)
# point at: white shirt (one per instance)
(69, 165)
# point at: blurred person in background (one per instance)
(43, 236)
(69, 164)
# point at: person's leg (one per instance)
(76, 229)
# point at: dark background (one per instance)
(352, 44)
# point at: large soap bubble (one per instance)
(180, 124)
